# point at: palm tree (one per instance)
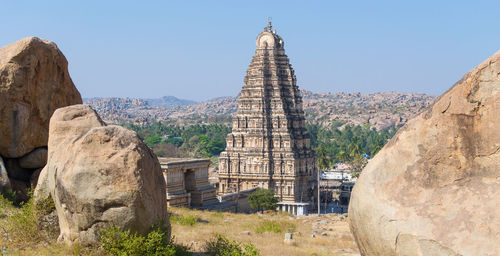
(355, 147)
(323, 159)
(343, 156)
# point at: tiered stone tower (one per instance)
(269, 146)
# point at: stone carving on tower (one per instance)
(269, 145)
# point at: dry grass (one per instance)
(338, 241)
(48, 249)
(266, 232)
(20, 233)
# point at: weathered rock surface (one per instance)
(99, 175)
(4, 178)
(65, 125)
(34, 82)
(434, 189)
(35, 159)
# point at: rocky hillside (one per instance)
(380, 110)
(170, 101)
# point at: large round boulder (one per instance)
(34, 82)
(434, 189)
(98, 176)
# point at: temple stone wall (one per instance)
(269, 146)
(187, 182)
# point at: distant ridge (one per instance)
(170, 101)
(380, 110)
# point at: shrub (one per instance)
(156, 243)
(45, 206)
(185, 220)
(275, 227)
(24, 226)
(5, 205)
(221, 246)
(7, 196)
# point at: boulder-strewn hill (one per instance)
(169, 101)
(380, 110)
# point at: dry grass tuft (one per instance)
(274, 226)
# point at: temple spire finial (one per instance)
(269, 25)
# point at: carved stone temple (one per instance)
(187, 182)
(269, 146)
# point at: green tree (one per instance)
(174, 141)
(152, 140)
(263, 199)
(342, 156)
(313, 130)
(322, 157)
(196, 140)
(355, 147)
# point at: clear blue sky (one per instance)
(201, 49)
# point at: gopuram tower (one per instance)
(269, 146)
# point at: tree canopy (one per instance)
(263, 199)
(195, 141)
(352, 144)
